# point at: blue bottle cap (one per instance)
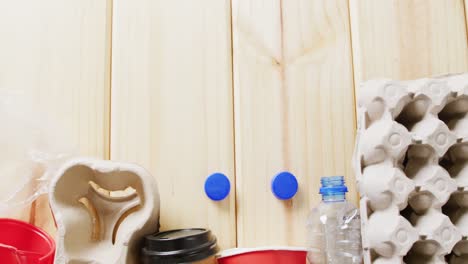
(284, 185)
(333, 185)
(217, 186)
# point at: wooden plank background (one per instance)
(57, 52)
(408, 39)
(293, 86)
(172, 104)
(248, 88)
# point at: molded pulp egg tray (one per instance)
(411, 169)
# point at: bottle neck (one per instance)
(333, 198)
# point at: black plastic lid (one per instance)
(179, 246)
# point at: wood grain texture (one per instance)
(408, 39)
(172, 104)
(58, 53)
(294, 108)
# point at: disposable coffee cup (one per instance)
(194, 245)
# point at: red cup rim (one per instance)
(240, 251)
(36, 230)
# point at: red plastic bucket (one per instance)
(22, 243)
(264, 255)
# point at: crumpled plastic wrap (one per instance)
(31, 149)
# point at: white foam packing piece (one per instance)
(411, 169)
(103, 209)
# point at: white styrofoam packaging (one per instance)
(103, 209)
(411, 169)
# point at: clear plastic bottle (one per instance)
(334, 226)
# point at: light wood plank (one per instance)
(58, 53)
(172, 104)
(408, 39)
(294, 110)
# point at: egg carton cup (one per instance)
(103, 209)
(411, 169)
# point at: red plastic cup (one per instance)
(263, 255)
(23, 243)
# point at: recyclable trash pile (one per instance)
(410, 162)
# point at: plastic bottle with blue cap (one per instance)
(334, 226)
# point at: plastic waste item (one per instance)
(411, 168)
(195, 245)
(103, 210)
(23, 243)
(284, 185)
(270, 255)
(334, 226)
(34, 146)
(217, 186)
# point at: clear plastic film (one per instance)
(32, 147)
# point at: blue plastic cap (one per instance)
(333, 185)
(217, 186)
(284, 185)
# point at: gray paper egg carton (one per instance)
(411, 168)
